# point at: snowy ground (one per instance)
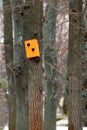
(63, 125)
(60, 125)
(57, 128)
(63, 122)
(66, 128)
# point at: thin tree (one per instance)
(20, 66)
(84, 66)
(8, 42)
(51, 68)
(75, 65)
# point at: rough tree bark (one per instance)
(8, 42)
(20, 67)
(75, 65)
(33, 29)
(84, 68)
(51, 68)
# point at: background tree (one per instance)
(8, 42)
(74, 65)
(51, 70)
(62, 44)
(84, 67)
(20, 66)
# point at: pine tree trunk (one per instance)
(33, 29)
(50, 53)
(20, 67)
(8, 42)
(75, 66)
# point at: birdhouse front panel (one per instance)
(32, 48)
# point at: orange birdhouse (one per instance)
(32, 48)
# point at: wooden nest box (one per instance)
(32, 48)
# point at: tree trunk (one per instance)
(20, 67)
(84, 69)
(33, 30)
(8, 42)
(51, 69)
(74, 65)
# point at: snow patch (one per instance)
(5, 127)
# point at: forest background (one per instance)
(30, 85)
